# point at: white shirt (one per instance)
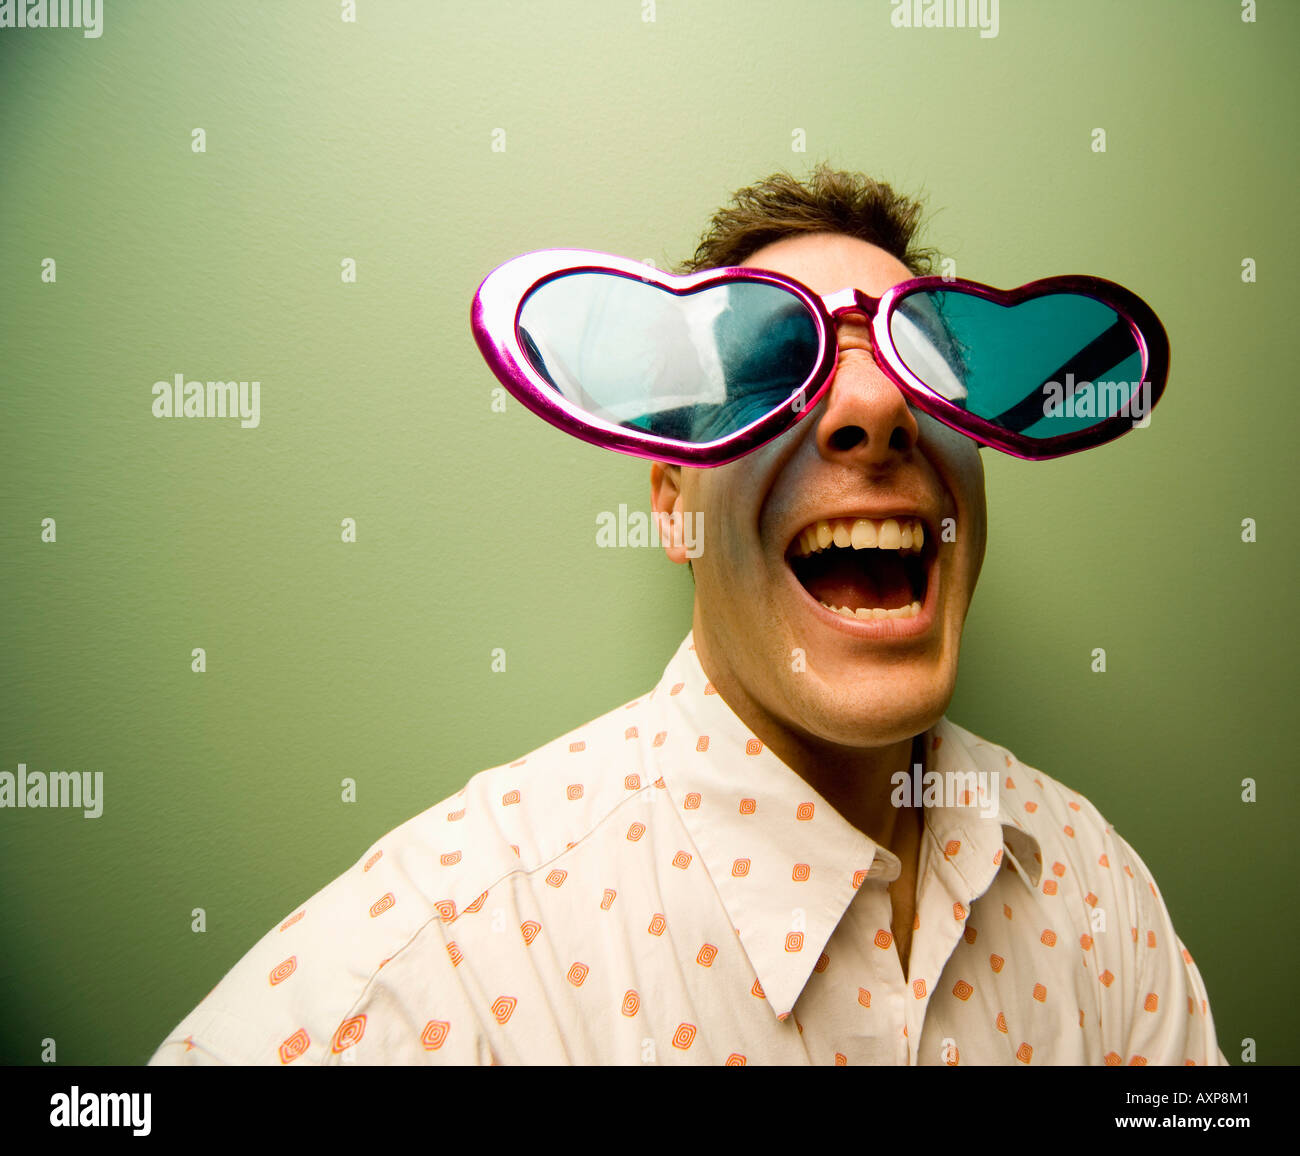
(657, 887)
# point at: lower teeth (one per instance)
(909, 611)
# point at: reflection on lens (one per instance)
(693, 368)
(1047, 366)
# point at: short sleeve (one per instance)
(364, 972)
(1169, 1018)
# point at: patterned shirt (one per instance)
(658, 887)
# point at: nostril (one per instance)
(847, 436)
(900, 439)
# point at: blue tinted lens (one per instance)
(1047, 366)
(693, 368)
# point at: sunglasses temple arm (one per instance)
(1105, 351)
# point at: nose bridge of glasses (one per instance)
(850, 301)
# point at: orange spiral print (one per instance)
(635, 831)
(434, 1035)
(1001, 1023)
(864, 997)
(681, 860)
(382, 904)
(372, 860)
(748, 806)
(294, 1046)
(702, 743)
(707, 954)
(349, 1033)
(573, 791)
(684, 1036)
(753, 747)
(632, 782)
(529, 928)
(577, 973)
(801, 872)
(574, 748)
(282, 971)
(918, 988)
(691, 802)
(631, 1002)
(740, 868)
(457, 956)
(450, 859)
(660, 738)
(556, 877)
(476, 905)
(859, 878)
(996, 962)
(804, 812)
(293, 919)
(962, 990)
(823, 962)
(794, 941)
(630, 733)
(657, 924)
(1024, 1053)
(607, 899)
(510, 798)
(1040, 993)
(455, 816)
(446, 910)
(503, 1008)
(735, 1060)
(883, 940)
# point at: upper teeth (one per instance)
(906, 534)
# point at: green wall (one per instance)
(373, 140)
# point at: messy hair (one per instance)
(828, 201)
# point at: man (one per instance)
(733, 868)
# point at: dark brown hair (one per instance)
(829, 201)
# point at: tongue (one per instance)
(860, 579)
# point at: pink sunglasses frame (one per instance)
(494, 318)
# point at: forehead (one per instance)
(826, 262)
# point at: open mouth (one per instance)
(864, 567)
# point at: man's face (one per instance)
(778, 656)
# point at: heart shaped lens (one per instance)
(1046, 366)
(694, 367)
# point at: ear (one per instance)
(666, 501)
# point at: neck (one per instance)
(857, 781)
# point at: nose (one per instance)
(866, 420)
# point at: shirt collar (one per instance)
(784, 862)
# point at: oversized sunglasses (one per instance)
(700, 369)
